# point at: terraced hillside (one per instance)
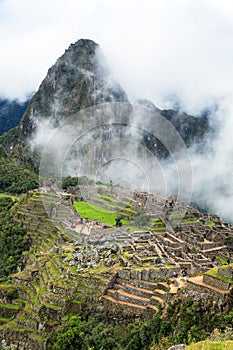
(79, 261)
(44, 288)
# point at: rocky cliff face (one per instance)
(191, 129)
(79, 79)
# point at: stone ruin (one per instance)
(180, 238)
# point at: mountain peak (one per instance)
(80, 78)
(81, 54)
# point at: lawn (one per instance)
(223, 261)
(210, 223)
(91, 211)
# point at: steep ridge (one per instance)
(79, 79)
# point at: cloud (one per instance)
(33, 36)
(161, 48)
(175, 47)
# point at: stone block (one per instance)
(145, 275)
(125, 274)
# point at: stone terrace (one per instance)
(140, 290)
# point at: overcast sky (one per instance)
(155, 48)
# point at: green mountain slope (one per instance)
(10, 113)
(15, 178)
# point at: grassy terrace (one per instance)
(210, 223)
(112, 206)
(113, 203)
(108, 198)
(222, 260)
(189, 222)
(186, 219)
(14, 198)
(209, 345)
(4, 320)
(10, 306)
(96, 212)
(161, 228)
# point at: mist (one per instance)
(164, 50)
(213, 171)
(94, 143)
(178, 54)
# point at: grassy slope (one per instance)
(91, 211)
(209, 345)
(14, 198)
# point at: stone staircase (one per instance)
(137, 294)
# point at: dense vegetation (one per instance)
(70, 181)
(73, 181)
(185, 321)
(14, 178)
(10, 113)
(13, 239)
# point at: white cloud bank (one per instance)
(155, 48)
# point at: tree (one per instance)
(69, 181)
(118, 222)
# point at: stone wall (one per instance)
(23, 339)
(216, 282)
(200, 290)
(207, 245)
(151, 275)
(226, 272)
(110, 283)
(122, 312)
